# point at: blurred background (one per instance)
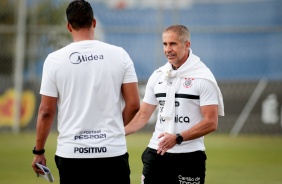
(239, 40)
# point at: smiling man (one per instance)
(189, 102)
(176, 47)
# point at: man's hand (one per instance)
(39, 159)
(167, 142)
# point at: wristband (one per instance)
(38, 152)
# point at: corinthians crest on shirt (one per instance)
(188, 82)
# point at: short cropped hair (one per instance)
(182, 32)
(80, 14)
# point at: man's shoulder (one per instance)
(155, 76)
(108, 45)
(59, 51)
(159, 71)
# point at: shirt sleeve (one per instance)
(208, 93)
(150, 96)
(130, 74)
(48, 83)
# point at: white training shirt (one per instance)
(192, 94)
(86, 77)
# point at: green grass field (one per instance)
(248, 159)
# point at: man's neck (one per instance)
(83, 34)
(175, 68)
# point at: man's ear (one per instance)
(188, 44)
(69, 27)
(94, 23)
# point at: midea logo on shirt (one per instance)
(77, 58)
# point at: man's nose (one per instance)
(168, 48)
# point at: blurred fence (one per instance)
(241, 41)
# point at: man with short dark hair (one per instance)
(94, 87)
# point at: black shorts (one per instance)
(173, 168)
(110, 170)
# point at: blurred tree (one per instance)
(7, 20)
(45, 22)
(47, 32)
(7, 12)
(48, 12)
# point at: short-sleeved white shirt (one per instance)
(86, 77)
(192, 94)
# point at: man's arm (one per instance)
(206, 126)
(141, 118)
(46, 114)
(132, 101)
